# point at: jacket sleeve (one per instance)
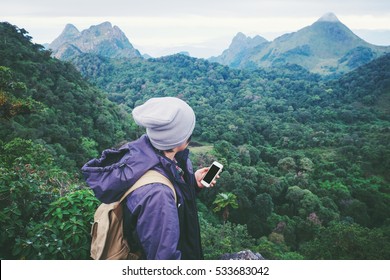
(158, 222)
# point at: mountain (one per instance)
(103, 39)
(325, 47)
(238, 48)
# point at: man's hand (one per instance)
(200, 173)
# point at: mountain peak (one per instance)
(329, 17)
(102, 39)
(69, 33)
(240, 36)
(105, 24)
(241, 40)
(70, 29)
(102, 26)
(239, 45)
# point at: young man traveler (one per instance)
(156, 225)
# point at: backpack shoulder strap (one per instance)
(151, 176)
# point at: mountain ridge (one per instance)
(102, 39)
(325, 47)
(239, 45)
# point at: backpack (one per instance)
(108, 241)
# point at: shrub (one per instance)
(64, 232)
(220, 239)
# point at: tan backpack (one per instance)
(108, 241)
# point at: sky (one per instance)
(204, 28)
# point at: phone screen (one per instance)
(211, 174)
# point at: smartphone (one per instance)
(214, 170)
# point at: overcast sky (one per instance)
(202, 27)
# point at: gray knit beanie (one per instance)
(169, 121)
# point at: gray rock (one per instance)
(243, 255)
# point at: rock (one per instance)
(243, 255)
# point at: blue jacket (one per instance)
(153, 223)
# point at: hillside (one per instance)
(51, 122)
(290, 96)
(325, 47)
(68, 111)
(280, 134)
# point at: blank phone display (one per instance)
(211, 174)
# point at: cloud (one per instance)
(217, 8)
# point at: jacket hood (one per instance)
(117, 169)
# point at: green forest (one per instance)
(306, 157)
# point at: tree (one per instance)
(10, 105)
(89, 146)
(287, 164)
(348, 241)
(223, 201)
(264, 206)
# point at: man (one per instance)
(156, 226)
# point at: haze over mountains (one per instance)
(326, 47)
